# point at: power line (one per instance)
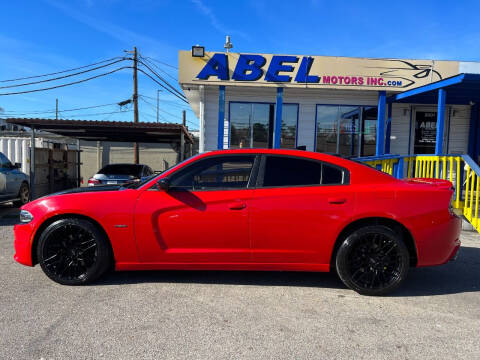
(60, 72)
(68, 84)
(62, 77)
(159, 83)
(172, 102)
(84, 115)
(60, 111)
(154, 108)
(162, 79)
(159, 68)
(161, 62)
(103, 113)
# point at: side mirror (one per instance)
(17, 165)
(163, 184)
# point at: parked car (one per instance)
(247, 209)
(14, 184)
(120, 174)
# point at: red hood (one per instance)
(428, 181)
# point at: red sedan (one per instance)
(253, 209)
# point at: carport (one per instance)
(117, 131)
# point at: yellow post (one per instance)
(465, 212)
(471, 194)
(444, 169)
(458, 182)
(475, 219)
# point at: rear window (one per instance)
(290, 171)
(118, 169)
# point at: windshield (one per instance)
(121, 169)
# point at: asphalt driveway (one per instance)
(237, 315)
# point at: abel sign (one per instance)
(311, 71)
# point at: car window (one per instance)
(226, 172)
(121, 169)
(4, 162)
(290, 171)
(332, 175)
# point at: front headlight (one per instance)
(25, 216)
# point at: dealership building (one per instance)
(350, 106)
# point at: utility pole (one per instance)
(56, 109)
(158, 103)
(135, 102)
(184, 118)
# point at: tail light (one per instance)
(93, 182)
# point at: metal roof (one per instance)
(108, 130)
(462, 89)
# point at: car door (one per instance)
(297, 208)
(203, 216)
(11, 177)
(3, 177)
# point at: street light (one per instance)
(198, 51)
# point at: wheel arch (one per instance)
(388, 222)
(54, 218)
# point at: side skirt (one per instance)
(124, 266)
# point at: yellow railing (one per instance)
(386, 165)
(460, 170)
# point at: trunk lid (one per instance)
(439, 183)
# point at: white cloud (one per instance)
(208, 12)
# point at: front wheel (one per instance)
(73, 252)
(373, 260)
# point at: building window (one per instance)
(252, 125)
(346, 130)
(289, 126)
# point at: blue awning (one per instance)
(462, 89)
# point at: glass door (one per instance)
(425, 132)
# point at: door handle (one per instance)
(237, 205)
(337, 201)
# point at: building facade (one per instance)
(326, 104)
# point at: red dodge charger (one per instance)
(247, 209)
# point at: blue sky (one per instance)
(42, 36)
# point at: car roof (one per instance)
(289, 152)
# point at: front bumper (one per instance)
(23, 244)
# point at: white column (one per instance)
(18, 150)
(25, 165)
(201, 143)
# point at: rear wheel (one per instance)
(73, 252)
(373, 260)
(23, 195)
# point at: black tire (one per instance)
(373, 260)
(73, 251)
(23, 195)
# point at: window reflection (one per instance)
(252, 125)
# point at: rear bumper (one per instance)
(23, 244)
(439, 242)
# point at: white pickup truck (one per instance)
(14, 184)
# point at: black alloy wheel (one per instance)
(373, 260)
(73, 252)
